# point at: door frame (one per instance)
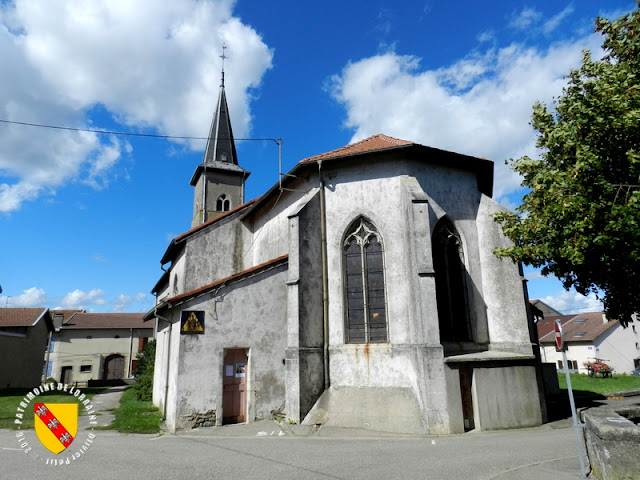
(242, 411)
(66, 370)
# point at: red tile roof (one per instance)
(206, 288)
(231, 278)
(376, 142)
(21, 317)
(547, 324)
(592, 324)
(214, 220)
(106, 320)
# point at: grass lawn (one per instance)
(585, 383)
(135, 416)
(10, 401)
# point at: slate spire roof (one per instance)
(221, 146)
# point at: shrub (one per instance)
(144, 372)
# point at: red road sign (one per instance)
(559, 340)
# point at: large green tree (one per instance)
(580, 219)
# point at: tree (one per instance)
(580, 217)
(144, 371)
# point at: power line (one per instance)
(128, 134)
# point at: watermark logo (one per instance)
(56, 425)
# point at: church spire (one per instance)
(218, 180)
(220, 145)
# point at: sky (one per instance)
(85, 217)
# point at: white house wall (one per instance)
(621, 346)
(89, 347)
(617, 347)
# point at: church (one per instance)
(359, 291)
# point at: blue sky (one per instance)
(86, 217)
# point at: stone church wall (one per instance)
(249, 314)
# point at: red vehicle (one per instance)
(599, 367)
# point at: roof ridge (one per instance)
(215, 219)
(379, 141)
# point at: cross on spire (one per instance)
(223, 56)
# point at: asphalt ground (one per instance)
(268, 450)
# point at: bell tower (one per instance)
(218, 180)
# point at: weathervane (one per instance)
(223, 56)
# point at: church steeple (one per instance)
(220, 146)
(219, 180)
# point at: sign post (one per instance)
(560, 347)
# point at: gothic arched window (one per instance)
(364, 289)
(223, 204)
(451, 284)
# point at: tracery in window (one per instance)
(451, 284)
(364, 287)
(223, 203)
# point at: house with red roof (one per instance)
(359, 291)
(24, 334)
(588, 336)
(95, 346)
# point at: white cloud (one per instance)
(480, 105)
(555, 21)
(79, 300)
(525, 18)
(149, 64)
(98, 257)
(568, 302)
(32, 297)
(123, 302)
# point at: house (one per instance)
(361, 291)
(24, 333)
(95, 346)
(588, 336)
(546, 310)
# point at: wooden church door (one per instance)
(234, 386)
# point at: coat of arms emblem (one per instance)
(56, 424)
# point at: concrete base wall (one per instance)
(506, 397)
(374, 408)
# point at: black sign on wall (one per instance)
(192, 322)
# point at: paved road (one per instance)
(265, 450)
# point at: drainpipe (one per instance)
(166, 380)
(130, 352)
(325, 280)
(46, 361)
